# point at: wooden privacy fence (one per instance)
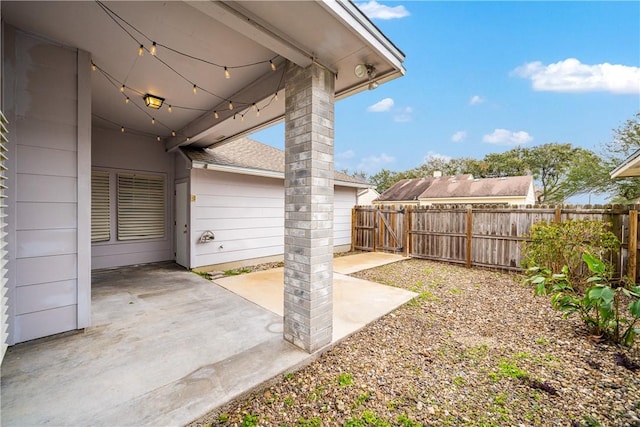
(481, 235)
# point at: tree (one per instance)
(626, 141)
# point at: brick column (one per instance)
(308, 236)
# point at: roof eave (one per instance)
(627, 167)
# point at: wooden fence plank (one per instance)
(633, 243)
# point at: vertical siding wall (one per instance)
(246, 214)
(41, 89)
(115, 152)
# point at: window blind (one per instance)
(141, 206)
(100, 203)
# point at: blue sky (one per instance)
(485, 77)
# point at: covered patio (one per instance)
(167, 346)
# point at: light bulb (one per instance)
(141, 50)
(93, 67)
(276, 96)
(152, 51)
(226, 73)
(258, 112)
(126, 100)
(188, 139)
(253, 107)
(173, 133)
(215, 115)
(122, 88)
(169, 109)
(153, 120)
(242, 117)
(195, 89)
(273, 66)
(230, 105)
(122, 129)
(158, 138)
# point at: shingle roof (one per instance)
(411, 189)
(486, 187)
(250, 154)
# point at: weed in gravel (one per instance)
(459, 381)
(508, 369)
(542, 341)
(249, 420)
(361, 399)
(311, 422)
(500, 399)
(345, 379)
(367, 418)
(288, 401)
(405, 421)
(477, 353)
(455, 291)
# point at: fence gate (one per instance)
(378, 228)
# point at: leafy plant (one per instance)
(249, 421)
(600, 305)
(556, 245)
(345, 379)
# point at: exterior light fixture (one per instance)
(153, 101)
(369, 71)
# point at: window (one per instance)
(141, 210)
(100, 203)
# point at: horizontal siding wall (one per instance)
(246, 214)
(43, 206)
(116, 152)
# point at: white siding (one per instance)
(246, 214)
(115, 152)
(46, 237)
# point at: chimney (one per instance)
(437, 174)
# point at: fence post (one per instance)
(469, 235)
(558, 215)
(353, 228)
(406, 237)
(633, 244)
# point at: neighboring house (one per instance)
(367, 196)
(237, 195)
(460, 189)
(93, 176)
(629, 168)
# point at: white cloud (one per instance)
(432, 155)
(405, 115)
(346, 154)
(375, 10)
(381, 106)
(459, 136)
(507, 137)
(475, 100)
(571, 75)
(374, 163)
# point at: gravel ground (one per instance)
(475, 348)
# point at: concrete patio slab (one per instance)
(356, 302)
(167, 346)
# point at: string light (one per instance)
(242, 117)
(126, 100)
(153, 120)
(122, 88)
(141, 50)
(226, 73)
(230, 105)
(93, 66)
(215, 115)
(258, 112)
(253, 107)
(122, 129)
(188, 139)
(169, 109)
(276, 96)
(158, 138)
(173, 133)
(195, 89)
(273, 66)
(152, 51)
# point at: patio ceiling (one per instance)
(233, 34)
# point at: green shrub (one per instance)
(555, 245)
(601, 307)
